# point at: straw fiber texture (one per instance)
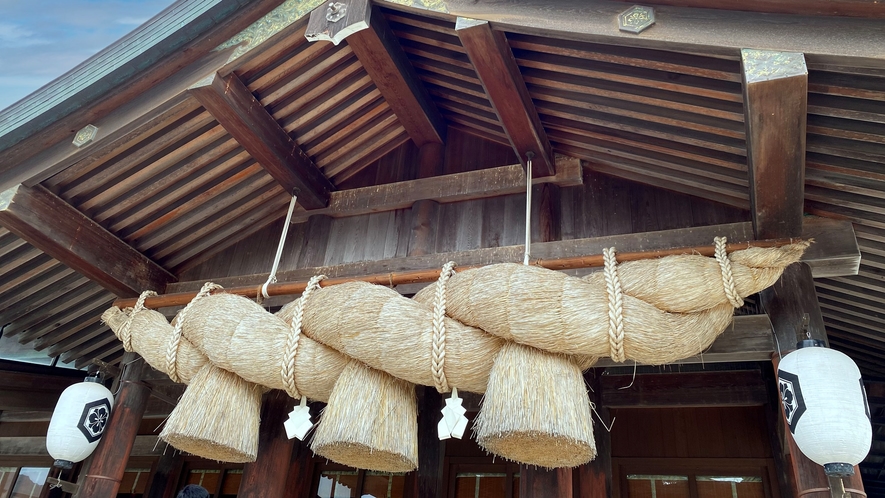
(371, 422)
(239, 335)
(217, 417)
(151, 333)
(507, 330)
(388, 332)
(536, 410)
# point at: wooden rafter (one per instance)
(55, 227)
(379, 51)
(775, 109)
(500, 76)
(232, 104)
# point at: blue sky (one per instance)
(42, 39)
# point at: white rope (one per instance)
(728, 284)
(126, 329)
(438, 356)
(528, 208)
(272, 278)
(175, 338)
(287, 370)
(615, 305)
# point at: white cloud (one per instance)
(14, 35)
(131, 21)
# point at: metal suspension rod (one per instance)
(430, 275)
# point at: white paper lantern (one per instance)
(825, 405)
(79, 420)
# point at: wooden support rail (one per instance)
(429, 275)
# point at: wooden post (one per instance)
(300, 471)
(165, 478)
(775, 108)
(268, 474)
(105, 471)
(431, 451)
(786, 302)
(594, 479)
(535, 482)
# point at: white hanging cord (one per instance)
(272, 278)
(528, 207)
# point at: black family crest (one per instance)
(791, 396)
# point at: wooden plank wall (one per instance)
(602, 206)
(710, 432)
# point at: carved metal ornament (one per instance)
(636, 19)
(335, 11)
(85, 135)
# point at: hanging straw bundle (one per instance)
(217, 417)
(239, 335)
(554, 312)
(690, 283)
(370, 422)
(536, 410)
(388, 332)
(150, 336)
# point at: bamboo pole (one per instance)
(430, 275)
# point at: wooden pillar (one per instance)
(535, 482)
(428, 479)
(300, 476)
(165, 478)
(594, 479)
(786, 303)
(775, 106)
(268, 474)
(105, 470)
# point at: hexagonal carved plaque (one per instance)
(636, 19)
(85, 135)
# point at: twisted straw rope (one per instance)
(126, 329)
(175, 338)
(438, 356)
(615, 305)
(728, 284)
(287, 369)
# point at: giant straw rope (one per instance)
(451, 335)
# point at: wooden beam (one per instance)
(379, 51)
(23, 391)
(734, 388)
(834, 242)
(748, 338)
(232, 104)
(31, 446)
(826, 41)
(775, 108)
(500, 76)
(55, 227)
(850, 8)
(471, 185)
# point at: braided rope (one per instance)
(126, 329)
(175, 338)
(438, 356)
(287, 368)
(728, 284)
(615, 305)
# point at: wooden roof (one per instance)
(166, 178)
